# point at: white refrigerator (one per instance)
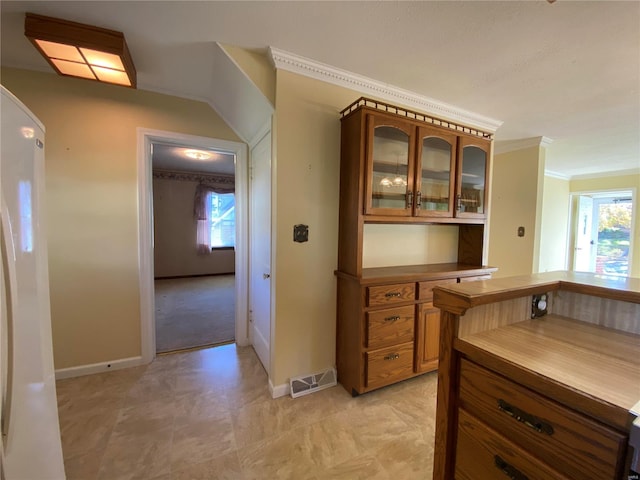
(31, 447)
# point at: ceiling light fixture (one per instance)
(197, 154)
(78, 50)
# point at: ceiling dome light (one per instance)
(197, 154)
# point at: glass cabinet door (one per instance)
(435, 182)
(390, 167)
(472, 178)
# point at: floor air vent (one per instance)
(307, 384)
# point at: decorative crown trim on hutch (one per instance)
(326, 73)
(385, 107)
(203, 178)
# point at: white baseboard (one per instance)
(279, 390)
(98, 367)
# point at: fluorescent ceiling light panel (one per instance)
(73, 69)
(79, 50)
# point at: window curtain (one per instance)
(202, 214)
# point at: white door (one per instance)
(584, 258)
(260, 250)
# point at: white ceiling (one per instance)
(569, 71)
(175, 158)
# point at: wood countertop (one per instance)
(410, 273)
(600, 362)
(457, 298)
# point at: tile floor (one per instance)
(208, 414)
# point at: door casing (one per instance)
(145, 137)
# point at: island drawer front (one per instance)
(388, 365)
(390, 326)
(574, 444)
(484, 454)
(390, 294)
(425, 289)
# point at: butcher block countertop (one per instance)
(538, 376)
(596, 361)
(588, 343)
(459, 297)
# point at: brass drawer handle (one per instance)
(392, 356)
(409, 199)
(509, 470)
(526, 418)
(392, 294)
(392, 319)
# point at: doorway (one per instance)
(147, 138)
(603, 226)
(194, 266)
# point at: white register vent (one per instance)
(307, 384)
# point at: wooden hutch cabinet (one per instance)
(403, 167)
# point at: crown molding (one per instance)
(320, 71)
(613, 173)
(504, 146)
(558, 175)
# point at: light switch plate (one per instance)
(301, 233)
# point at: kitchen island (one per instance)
(537, 377)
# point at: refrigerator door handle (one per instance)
(9, 280)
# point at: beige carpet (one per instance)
(195, 311)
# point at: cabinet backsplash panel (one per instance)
(388, 245)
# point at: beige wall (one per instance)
(174, 234)
(514, 203)
(307, 175)
(617, 183)
(257, 67)
(92, 212)
(555, 222)
(412, 244)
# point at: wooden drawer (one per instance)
(390, 326)
(574, 444)
(425, 289)
(389, 365)
(483, 454)
(390, 294)
(475, 278)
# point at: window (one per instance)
(603, 232)
(223, 220)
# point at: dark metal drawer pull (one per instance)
(526, 418)
(509, 470)
(392, 294)
(392, 356)
(392, 319)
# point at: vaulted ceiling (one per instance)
(568, 71)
